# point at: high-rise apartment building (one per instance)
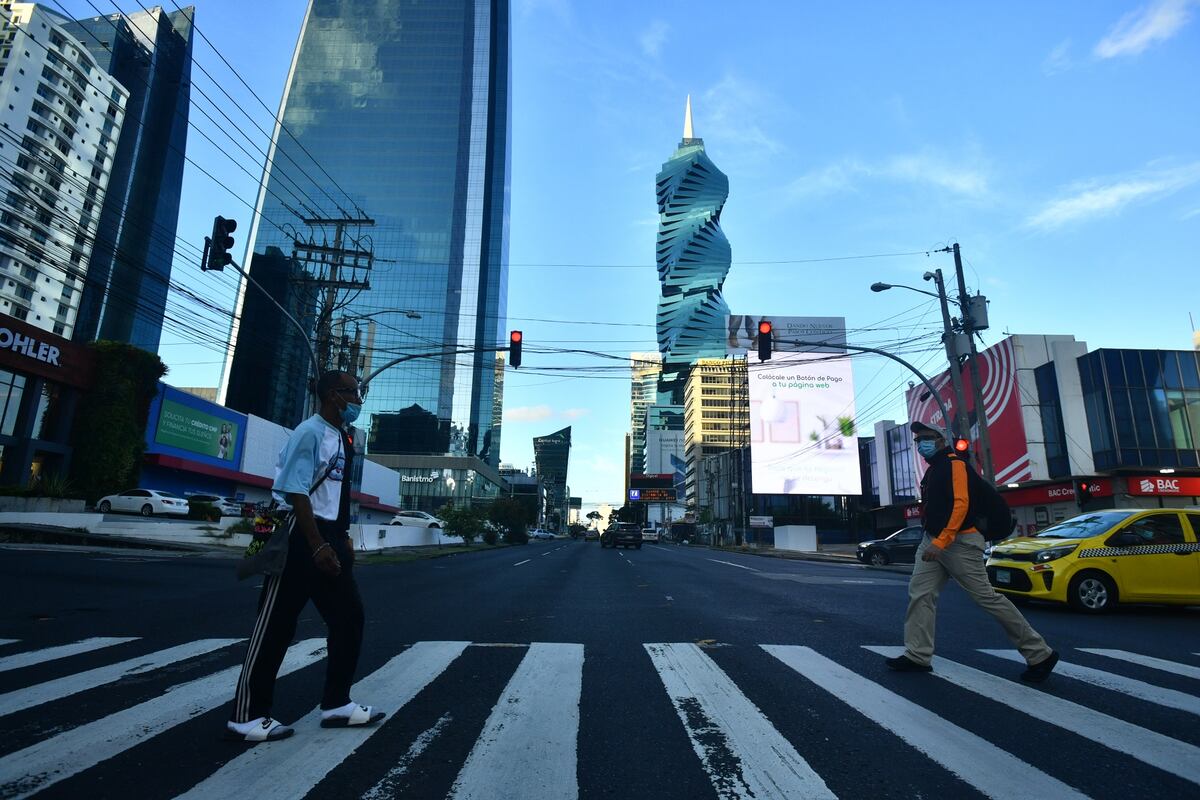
(644, 370)
(399, 112)
(693, 259)
(716, 416)
(61, 115)
(150, 55)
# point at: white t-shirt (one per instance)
(314, 447)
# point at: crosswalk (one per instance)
(745, 742)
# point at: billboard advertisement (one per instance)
(743, 333)
(664, 456)
(1002, 402)
(803, 434)
(190, 427)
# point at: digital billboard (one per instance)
(664, 455)
(185, 427)
(803, 433)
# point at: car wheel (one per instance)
(1092, 593)
(147, 510)
(434, 525)
(105, 507)
(877, 558)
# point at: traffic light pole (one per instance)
(955, 423)
(985, 439)
(303, 333)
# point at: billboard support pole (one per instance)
(885, 354)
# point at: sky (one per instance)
(1059, 144)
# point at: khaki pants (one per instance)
(962, 560)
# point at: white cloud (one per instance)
(653, 38)
(527, 413)
(733, 109)
(966, 177)
(1195, 212)
(575, 413)
(1058, 59)
(1139, 29)
(1101, 197)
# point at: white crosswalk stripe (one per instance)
(1147, 746)
(318, 750)
(33, 657)
(1186, 670)
(8, 641)
(59, 757)
(1170, 698)
(527, 750)
(742, 753)
(21, 699)
(994, 772)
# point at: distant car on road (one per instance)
(146, 502)
(591, 535)
(649, 535)
(622, 534)
(418, 519)
(897, 548)
(229, 507)
(538, 533)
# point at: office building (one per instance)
(61, 115)
(643, 391)
(150, 55)
(398, 112)
(552, 455)
(716, 417)
(693, 258)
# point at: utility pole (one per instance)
(948, 336)
(970, 325)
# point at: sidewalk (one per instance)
(827, 553)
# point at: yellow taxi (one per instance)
(1096, 559)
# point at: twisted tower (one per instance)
(693, 259)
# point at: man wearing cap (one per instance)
(952, 547)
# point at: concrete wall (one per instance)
(377, 537)
(382, 482)
(796, 537)
(264, 440)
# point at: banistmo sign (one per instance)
(417, 478)
(29, 347)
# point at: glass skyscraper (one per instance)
(150, 54)
(398, 111)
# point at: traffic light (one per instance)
(764, 340)
(961, 445)
(514, 348)
(218, 246)
(1083, 491)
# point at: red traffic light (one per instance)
(764, 327)
(961, 445)
(515, 336)
(514, 348)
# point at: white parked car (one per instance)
(417, 519)
(146, 502)
(649, 535)
(538, 533)
(228, 505)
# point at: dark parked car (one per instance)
(622, 534)
(899, 548)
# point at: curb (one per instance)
(824, 558)
(51, 534)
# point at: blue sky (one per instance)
(1058, 143)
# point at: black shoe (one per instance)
(903, 663)
(1036, 673)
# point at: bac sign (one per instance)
(1179, 487)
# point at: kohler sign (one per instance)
(29, 347)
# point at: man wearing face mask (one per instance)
(953, 548)
(313, 476)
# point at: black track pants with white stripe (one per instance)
(279, 606)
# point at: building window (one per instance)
(12, 386)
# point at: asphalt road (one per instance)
(559, 670)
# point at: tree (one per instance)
(595, 517)
(464, 522)
(511, 517)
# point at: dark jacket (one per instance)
(946, 498)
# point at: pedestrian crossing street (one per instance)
(529, 744)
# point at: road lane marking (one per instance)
(740, 750)
(730, 563)
(69, 753)
(82, 681)
(1147, 746)
(548, 552)
(62, 651)
(1174, 667)
(1180, 701)
(316, 751)
(671, 599)
(994, 772)
(519, 563)
(527, 749)
(388, 785)
(8, 641)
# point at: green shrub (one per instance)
(243, 525)
(490, 536)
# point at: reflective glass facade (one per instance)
(400, 111)
(551, 456)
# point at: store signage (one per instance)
(27, 349)
(1054, 493)
(762, 522)
(187, 428)
(418, 478)
(1160, 486)
(912, 512)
